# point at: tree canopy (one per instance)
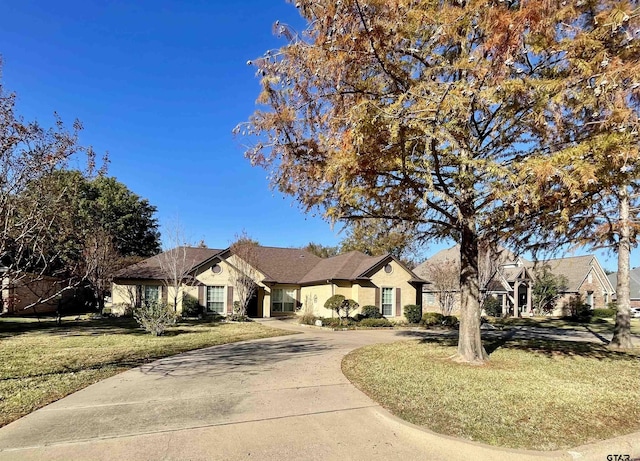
(422, 113)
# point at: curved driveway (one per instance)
(280, 398)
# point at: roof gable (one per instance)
(151, 268)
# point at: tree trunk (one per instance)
(470, 349)
(622, 329)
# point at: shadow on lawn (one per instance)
(12, 327)
(548, 347)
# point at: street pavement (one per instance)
(281, 398)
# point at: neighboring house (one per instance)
(289, 280)
(634, 285)
(447, 265)
(513, 279)
(29, 290)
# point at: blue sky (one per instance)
(160, 86)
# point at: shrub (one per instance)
(413, 313)
(155, 317)
(375, 323)
(336, 322)
(431, 319)
(235, 317)
(190, 306)
(604, 313)
(579, 311)
(370, 312)
(450, 321)
(308, 319)
(492, 306)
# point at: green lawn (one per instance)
(540, 395)
(41, 362)
(598, 325)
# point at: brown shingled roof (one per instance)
(281, 265)
(453, 254)
(574, 268)
(284, 265)
(347, 266)
(150, 268)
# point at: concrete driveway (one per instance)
(273, 399)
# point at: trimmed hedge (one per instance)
(375, 323)
(604, 313)
(413, 313)
(435, 319)
(430, 319)
(450, 321)
(370, 312)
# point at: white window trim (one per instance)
(224, 297)
(393, 301)
(283, 291)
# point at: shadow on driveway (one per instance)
(237, 357)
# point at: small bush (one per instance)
(370, 312)
(335, 322)
(308, 319)
(155, 317)
(492, 306)
(413, 313)
(190, 306)
(238, 318)
(450, 321)
(375, 323)
(579, 311)
(431, 319)
(604, 313)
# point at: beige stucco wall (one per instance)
(398, 278)
(363, 293)
(123, 292)
(317, 295)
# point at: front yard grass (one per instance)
(541, 395)
(41, 362)
(599, 325)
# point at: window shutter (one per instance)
(377, 298)
(138, 298)
(201, 299)
(165, 294)
(398, 303)
(298, 303)
(229, 300)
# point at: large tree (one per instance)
(377, 237)
(30, 217)
(415, 112)
(588, 192)
(95, 228)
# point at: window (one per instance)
(388, 268)
(283, 299)
(387, 302)
(215, 299)
(606, 297)
(590, 298)
(590, 277)
(216, 269)
(151, 293)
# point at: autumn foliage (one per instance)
(433, 114)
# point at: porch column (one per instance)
(529, 298)
(516, 299)
(504, 304)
